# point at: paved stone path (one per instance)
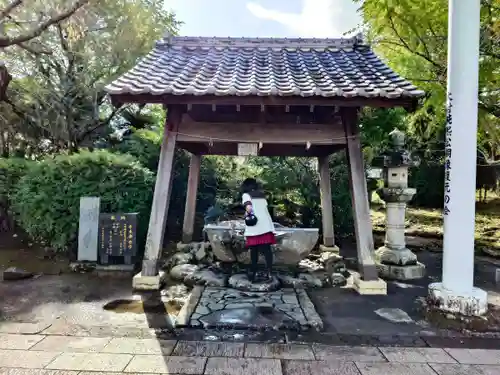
(38, 354)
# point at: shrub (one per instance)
(46, 202)
(11, 171)
(428, 179)
(341, 196)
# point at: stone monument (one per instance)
(88, 229)
(394, 259)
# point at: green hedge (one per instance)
(46, 202)
(11, 171)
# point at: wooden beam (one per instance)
(359, 194)
(231, 149)
(326, 201)
(161, 197)
(321, 134)
(272, 114)
(264, 100)
(192, 190)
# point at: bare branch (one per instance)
(4, 13)
(9, 41)
(100, 124)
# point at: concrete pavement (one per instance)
(38, 354)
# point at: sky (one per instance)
(266, 18)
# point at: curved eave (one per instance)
(410, 103)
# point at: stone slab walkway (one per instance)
(38, 354)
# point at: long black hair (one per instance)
(252, 187)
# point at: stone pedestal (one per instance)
(372, 287)
(329, 249)
(394, 259)
(468, 303)
(140, 282)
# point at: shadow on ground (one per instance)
(73, 304)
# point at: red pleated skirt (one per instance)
(262, 239)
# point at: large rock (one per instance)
(181, 271)
(177, 259)
(14, 273)
(241, 282)
(206, 277)
(303, 280)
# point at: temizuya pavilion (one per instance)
(288, 97)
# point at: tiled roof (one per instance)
(263, 67)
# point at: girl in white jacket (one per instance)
(259, 227)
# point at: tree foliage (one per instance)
(58, 95)
(412, 37)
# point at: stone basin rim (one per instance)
(211, 226)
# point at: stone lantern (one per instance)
(394, 259)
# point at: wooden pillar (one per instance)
(359, 195)
(161, 197)
(326, 201)
(192, 190)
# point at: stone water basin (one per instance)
(228, 242)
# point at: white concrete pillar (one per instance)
(456, 293)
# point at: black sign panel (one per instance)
(117, 238)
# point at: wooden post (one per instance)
(326, 201)
(192, 190)
(161, 197)
(359, 195)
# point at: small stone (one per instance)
(304, 280)
(184, 247)
(338, 279)
(200, 252)
(206, 277)
(338, 267)
(328, 256)
(215, 306)
(177, 259)
(181, 271)
(450, 317)
(14, 273)
(195, 323)
(202, 310)
(241, 282)
(308, 265)
(394, 315)
(82, 267)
